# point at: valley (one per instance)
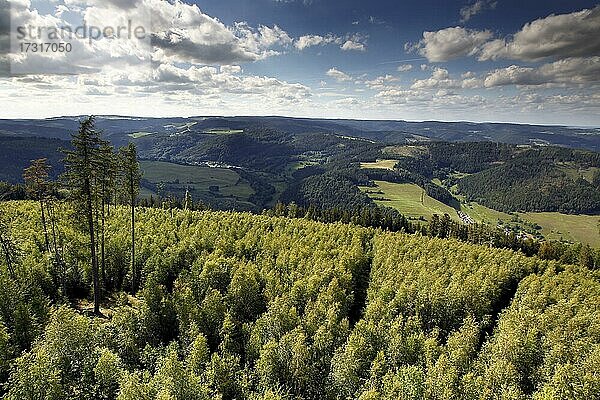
(417, 169)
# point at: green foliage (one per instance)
(536, 181)
(547, 342)
(239, 306)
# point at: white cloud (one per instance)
(347, 101)
(183, 33)
(441, 79)
(427, 101)
(189, 42)
(273, 36)
(476, 8)
(338, 75)
(307, 41)
(381, 81)
(230, 69)
(557, 36)
(350, 45)
(570, 71)
(375, 21)
(404, 68)
(450, 43)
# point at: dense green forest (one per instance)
(317, 163)
(503, 177)
(101, 298)
(235, 305)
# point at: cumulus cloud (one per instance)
(194, 56)
(307, 41)
(231, 69)
(441, 79)
(223, 81)
(557, 36)
(404, 68)
(569, 71)
(183, 33)
(381, 81)
(272, 36)
(576, 34)
(350, 45)
(338, 75)
(450, 43)
(473, 9)
(429, 100)
(347, 101)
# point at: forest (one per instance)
(505, 177)
(101, 298)
(318, 163)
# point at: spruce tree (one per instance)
(107, 182)
(82, 166)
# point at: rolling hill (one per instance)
(498, 168)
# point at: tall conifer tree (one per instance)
(82, 169)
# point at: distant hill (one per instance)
(387, 131)
(16, 153)
(507, 167)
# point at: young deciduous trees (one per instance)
(131, 175)
(38, 187)
(8, 247)
(239, 306)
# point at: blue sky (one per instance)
(482, 60)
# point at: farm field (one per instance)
(581, 228)
(219, 131)
(406, 198)
(198, 179)
(383, 164)
(484, 214)
(137, 135)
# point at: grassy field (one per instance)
(137, 135)
(219, 131)
(576, 173)
(382, 164)
(483, 214)
(579, 228)
(406, 198)
(197, 178)
(296, 165)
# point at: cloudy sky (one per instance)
(482, 60)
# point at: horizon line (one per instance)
(309, 118)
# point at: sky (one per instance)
(483, 60)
